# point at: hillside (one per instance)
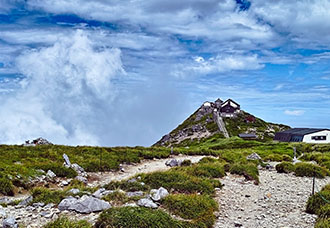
(202, 125)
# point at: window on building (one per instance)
(319, 137)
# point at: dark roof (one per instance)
(247, 135)
(231, 101)
(302, 131)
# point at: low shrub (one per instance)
(127, 186)
(46, 195)
(316, 201)
(64, 222)
(303, 169)
(116, 198)
(215, 170)
(186, 163)
(277, 157)
(179, 181)
(322, 223)
(324, 211)
(191, 206)
(285, 167)
(207, 160)
(59, 170)
(248, 170)
(6, 187)
(135, 217)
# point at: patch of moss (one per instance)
(64, 222)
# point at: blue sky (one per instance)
(127, 72)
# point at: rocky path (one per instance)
(278, 201)
(146, 166)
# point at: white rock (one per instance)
(158, 194)
(147, 203)
(50, 174)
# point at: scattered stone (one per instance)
(74, 191)
(38, 141)
(158, 194)
(9, 223)
(253, 156)
(26, 201)
(82, 179)
(64, 183)
(3, 213)
(67, 162)
(87, 204)
(130, 205)
(80, 170)
(40, 204)
(147, 203)
(173, 162)
(50, 174)
(48, 206)
(133, 180)
(134, 194)
(102, 192)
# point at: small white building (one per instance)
(307, 135)
(322, 136)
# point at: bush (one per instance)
(179, 181)
(116, 198)
(248, 170)
(64, 222)
(324, 211)
(47, 196)
(322, 223)
(135, 217)
(215, 170)
(6, 187)
(59, 170)
(285, 167)
(127, 186)
(315, 202)
(207, 160)
(186, 163)
(190, 206)
(278, 157)
(303, 169)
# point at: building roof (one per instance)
(247, 135)
(302, 131)
(228, 102)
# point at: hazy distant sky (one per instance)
(114, 72)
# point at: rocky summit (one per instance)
(220, 119)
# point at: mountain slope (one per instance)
(202, 124)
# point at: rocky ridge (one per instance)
(202, 124)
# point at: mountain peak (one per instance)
(221, 120)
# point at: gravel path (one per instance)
(278, 201)
(146, 166)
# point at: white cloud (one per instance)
(225, 63)
(294, 112)
(63, 83)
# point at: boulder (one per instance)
(67, 162)
(80, 170)
(147, 203)
(66, 203)
(50, 174)
(173, 163)
(158, 194)
(74, 191)
(9, 223)
(253, 156)
(134, 194)
(26, 201)
(88, 204)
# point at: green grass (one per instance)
(322, 223)
(46, 196)
(191, 206)
(318, 200)
(64, 222)
(248, 170)
(303, 169)
(126, 186)
(285, 167)
(135, 217)
(6, 187)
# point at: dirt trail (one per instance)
(146, 166)
(278, 201)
